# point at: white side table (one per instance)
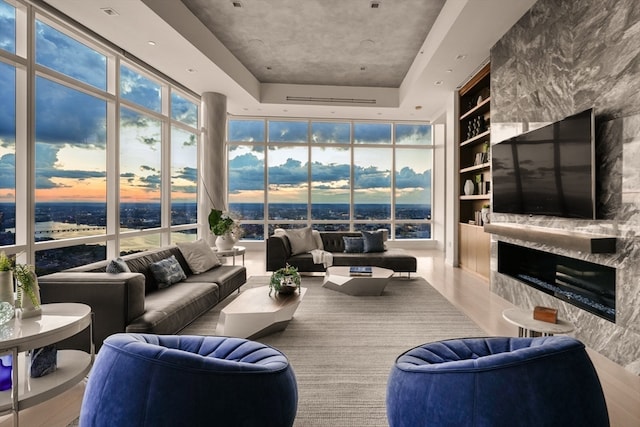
(233, 252)
(530, 327)
(57, 322)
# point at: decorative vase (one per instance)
(5, 372)
(6, 287)
(484, 213)
(6, 312)
(225, 242)
(469, 187)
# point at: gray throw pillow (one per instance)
(199, 256)
(373, 241)
(301, 240)
(117, 265)
(167, 272)
(353, 245)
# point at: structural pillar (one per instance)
(213, 164)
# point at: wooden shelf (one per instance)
(475, 167)
(477, 108)
(475, 197)
(566, 239)
(476, 139)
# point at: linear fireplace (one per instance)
(589, 286)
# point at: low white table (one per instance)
(233, 252)
(255, 313)
(339, 279)
(530, 327)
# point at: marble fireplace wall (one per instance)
(561, 58)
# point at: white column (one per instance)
(213, 164)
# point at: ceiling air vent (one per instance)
(331, 100)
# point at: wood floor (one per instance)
(466, 291)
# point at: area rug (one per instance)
(342, 347)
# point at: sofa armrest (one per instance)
(278, 252)
(115, 299)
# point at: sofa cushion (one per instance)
(227, 277)
(373, 241)
(199, 256)
(301, 240)
(169, 310)
(353, 244)
(167, 272)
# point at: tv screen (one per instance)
(547, 171)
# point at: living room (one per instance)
(559, 59)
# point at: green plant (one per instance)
(6, 263)
(26, 281)
(221, 223)
(284, 274)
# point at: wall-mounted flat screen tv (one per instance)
(547, 171)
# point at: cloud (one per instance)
(8, 171)
(151, 182)
(408, 178)
(66, 116)
(192, 189)
(288, 131)
(139, 89)
(188, 174)
(246, 172)
(7, 108)
(372, 132)
(246, 130)
(331, 132)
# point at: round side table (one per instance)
(530, 327)
(233, 252)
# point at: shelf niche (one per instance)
(565, 239)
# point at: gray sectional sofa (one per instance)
(133, 302)
(279, 253)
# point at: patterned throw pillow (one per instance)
(167, 272)
(373, 241)
(353, 245)
(117, 265)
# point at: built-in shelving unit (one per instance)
(474, 165)
(566, 239)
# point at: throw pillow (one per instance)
(117, 265)
(301, 240)
(318, 238)
(373, 241)
(167, 272)
(199, 256)
(353, 244)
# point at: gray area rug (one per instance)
(342, 347)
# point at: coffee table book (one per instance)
(360, 271)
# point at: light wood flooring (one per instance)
(467, 292)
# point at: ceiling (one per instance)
(401, 60)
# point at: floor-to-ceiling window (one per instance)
(334, 175)
(98, 153)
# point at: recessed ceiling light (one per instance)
(363, 68)
(461, 56)
(268, 67)
(151, 43)
(438, 83)
(191, 70)
(449, 70)
(236, 4)
(375, 4)
(109, 11)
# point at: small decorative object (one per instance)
(545, 314)
(6, 279)
(5, 373)
(485, 214)
(227, 229)
(6, 312)
(28, 291)
(44, 360)
(468, 187)
(285, 280)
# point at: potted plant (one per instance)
(226, 229)
(28, 291)
(285, 280)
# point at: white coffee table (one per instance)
(339, 279)
(255, 313)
